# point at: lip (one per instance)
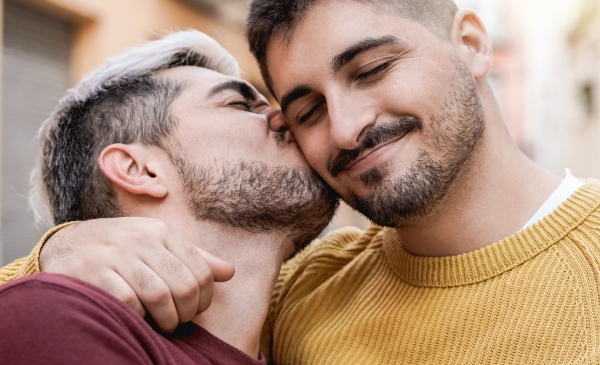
(371, 156)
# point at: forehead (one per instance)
(200, 81)
(329, 28)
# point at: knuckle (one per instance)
(153, 292)
(190, 250)
(204, 275)
(172, 264)
(187, 289)
(139, 235)
(150, 230)
(157, 296)
(132, 301)
(107, 284)
(160, 227)
(77, 267)
(85, 262)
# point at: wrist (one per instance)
(49, 247)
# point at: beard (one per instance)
(258, 198)
(454, 134)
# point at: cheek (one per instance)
(221, 143)
(316, 148)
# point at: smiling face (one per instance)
(234, 169)
(383, 109)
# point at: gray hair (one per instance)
(119, 102)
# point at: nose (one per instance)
(277, 124)
(276, 120)
(349, 120)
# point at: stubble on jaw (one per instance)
(456, 133)
(257, 197)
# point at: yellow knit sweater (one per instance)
(30, 264)
(359, 298)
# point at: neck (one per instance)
(239, 306)
(494, 196)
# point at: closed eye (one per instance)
(306, 117)
(374, 71)
(241, 104)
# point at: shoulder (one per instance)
(68, 321)
(337, 248)
(325, 257)
(582, 212)
(43, 298)
(314, 265)
(43, 292)
(49, 287)
(575, 228)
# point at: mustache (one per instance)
(376, 136)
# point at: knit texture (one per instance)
(30, 264)
(360, 298)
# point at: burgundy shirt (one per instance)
(53, 319)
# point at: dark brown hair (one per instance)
(269, 18)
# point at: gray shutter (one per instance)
(35, 74)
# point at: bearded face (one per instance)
(450, 139)
(258, 198)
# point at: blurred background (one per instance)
(546, 77)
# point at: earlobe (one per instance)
(472, 42)
(131, 168)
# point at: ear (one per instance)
(472, 42)
(134, 168)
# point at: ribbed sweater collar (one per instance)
(500, 257)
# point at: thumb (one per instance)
(222, 270)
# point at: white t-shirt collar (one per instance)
(569, 185)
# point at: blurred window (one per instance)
(588, 98)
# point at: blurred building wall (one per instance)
(584, 42)
(105, 28)
(545, 76)
(35, 74)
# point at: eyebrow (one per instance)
(294, 94)
(338, 62)
(365, 45)
(238, 86)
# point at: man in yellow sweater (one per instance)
(485, 259)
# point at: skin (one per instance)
(495, 193)
(493, 196)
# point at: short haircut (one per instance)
(269, 18)
(122, 101)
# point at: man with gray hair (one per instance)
(168, 131)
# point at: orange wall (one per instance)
(106, 28)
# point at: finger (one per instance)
(222, 270)
(154, 294)
(114, 284)
(182, 283)
(194, 260)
